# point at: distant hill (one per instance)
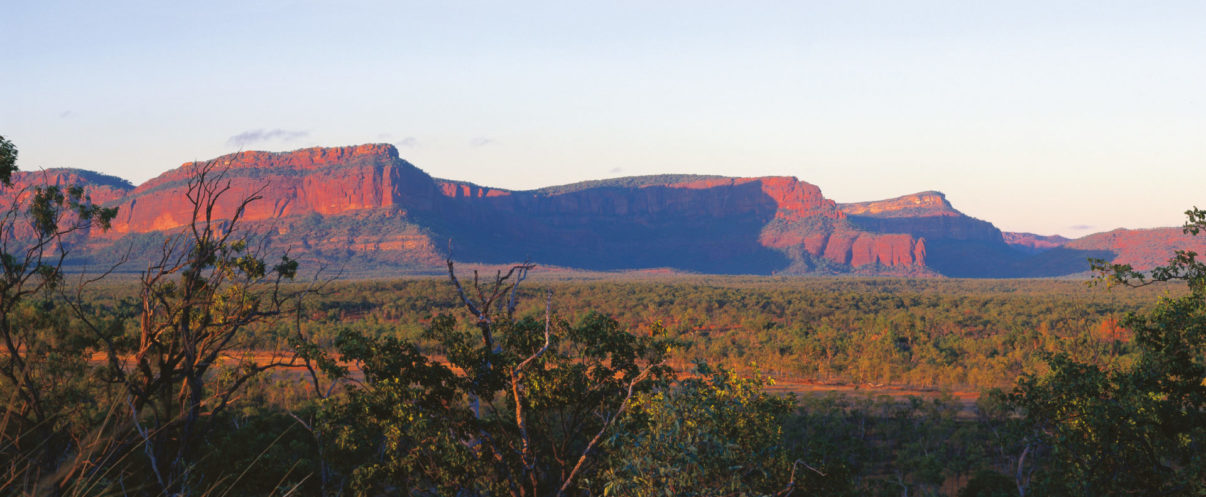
(1030, 242)
(1142, 248)
(366, 209)
(625, 182)
(102, 187)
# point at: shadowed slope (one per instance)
(367, 210)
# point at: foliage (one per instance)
(1137, 429)
(8, 161)
(186, 381)
(511, 412)
(206, 285)
(403, 426)
(137, 419)
(715, 435)
(892, 446)
(258, 450)
(863, 447)
(41, 365)
(954, 334)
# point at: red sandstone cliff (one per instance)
(371, 203)
(1143, 249)
(696, 223)
(326, 181)
(367, 207)
(923, 204)
(791, 216)
(925, 215)
(100, 188)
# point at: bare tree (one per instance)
(489, 306)
(205, 286)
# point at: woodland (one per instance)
(220, 369)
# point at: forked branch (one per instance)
(590, 447)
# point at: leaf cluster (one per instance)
(1139, 429)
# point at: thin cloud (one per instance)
(254, 136)
(408, 142)
(480, 141)
(65, 114)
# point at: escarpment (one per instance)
(366, 209)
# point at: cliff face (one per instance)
(365, 201)
(923, 204)
(98, 188)
(705, 224)
(1031, 242)
(927, 214)
(1143, 249)
(648, 197)
(955, 244)
(326, 181)
(366, 208)
(861, 249)
(101, 188)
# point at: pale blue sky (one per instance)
(1050, 117)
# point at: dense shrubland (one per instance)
(212, 373)
(928, 334)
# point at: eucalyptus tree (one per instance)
(1138, 429)
(40, 224)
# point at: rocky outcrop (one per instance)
(365, 201)
(1143, 249)
(97, 189)
(925, 215)
(1030, 242)
(783, 222)
(100, 188)
(860, 249)
(325, 181)
(370, 212)
(923, 204)
(955, 244)
(463, 189)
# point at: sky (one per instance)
(1066, 117)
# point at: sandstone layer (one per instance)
(366, 209)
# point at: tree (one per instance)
(8, 161)
(38, 228)
(513, 407)
(715, 435)
(207, 284)
(1139, 429)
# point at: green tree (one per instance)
(715, 435)
(515, 407)
(1138, 430)
(8, 161)
(40, 425)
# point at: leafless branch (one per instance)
(791, 482)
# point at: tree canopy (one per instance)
(1138, 428)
